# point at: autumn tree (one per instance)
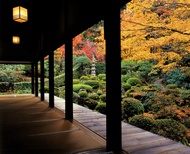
(156, 30)
(100, 43)
(91, 42)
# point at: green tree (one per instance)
(144, 68)
(129, 67)
(80, 64)
(11, 73)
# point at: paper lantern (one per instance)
(16, 39)
(20, 14)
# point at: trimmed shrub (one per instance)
(83, 94)
(124, 78)
(90, 103)
(26, 91)
(93, 77)
(75, 97)
(126, 86)
(93, 96)
(103, 97)
(127, 93)
(77, 87)
(141, 121)
(62, 92)
(76, 81)
(4, 86)
(171, 129)
(131, 107)
(84, 78)
(46, 89)
(157, 102)
(59, 80)
(99, 92)
(101, 107)
(22, 85)
(186, 121)
(133, 81)
(102, 84)
(172, 86)
(56, 91)
(93, 83)
(102, 77)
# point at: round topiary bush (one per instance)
(83, 94)
(93, 77)
(134, 81)
(99, 92)
(93, 96)
(59, 80)
(131, 107)
(46, 89)
(84, 78)
(141, 121)
(90, 103)
(93, 83)
(126, 86)
(171, 129)
(77, 87)
(102, 77)
(76, 81)
(103, 97)
(101, 107)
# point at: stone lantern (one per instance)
(93, 67)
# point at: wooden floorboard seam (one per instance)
(130, 133)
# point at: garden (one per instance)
(155, 74)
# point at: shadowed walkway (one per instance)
(134, 140)
(29, 126)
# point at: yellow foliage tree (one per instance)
(156, 30)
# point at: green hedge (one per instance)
(59, 80)
(22, 85)
(4, 86)
(77, 87)
(133, 81)
(93, 83)
(131, 107)
(101, 107)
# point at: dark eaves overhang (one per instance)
(50, 24)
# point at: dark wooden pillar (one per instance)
(113, 77)
(51, 79)
(36, 79)
(32, 78)
(42, 78)
(68, 79)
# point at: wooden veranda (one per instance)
(29, 125)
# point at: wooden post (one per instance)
(32, 78)
(42, 78)
(51, 79)
(113, 77)
(68, 79)
(36, 79)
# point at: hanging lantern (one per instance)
(16, 39)
(20, 14)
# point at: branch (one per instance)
(155, 28)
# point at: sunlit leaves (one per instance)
(156, 30)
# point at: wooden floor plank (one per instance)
(26, 129)
(134, 140)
